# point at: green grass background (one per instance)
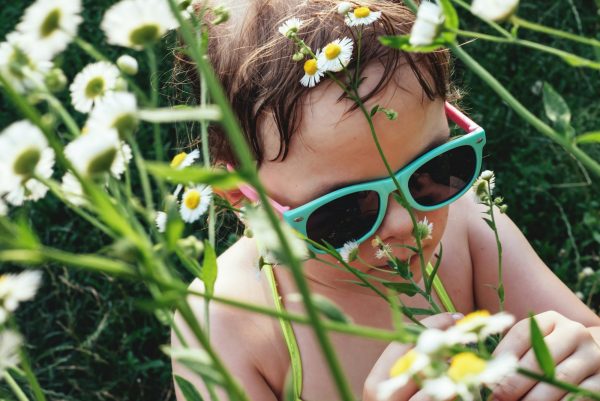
(89, 341)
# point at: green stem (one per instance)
(522, 111)
(58, 107)
(500, 288)
(33, 382)
(141, 166)
(239, 145)
(571, 388)
(154, 101)
(353, 329)
(14, 386)
(552, 31)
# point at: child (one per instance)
(309, 142)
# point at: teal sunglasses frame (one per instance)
(475, 138)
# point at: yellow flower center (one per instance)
(310, 67)
(332, 50)
(464, 365)
(178, 159)
(362, 12)
(403, 364)
(473, 316)
(192, 199)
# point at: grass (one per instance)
(89, 339)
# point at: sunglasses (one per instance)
(431, 181)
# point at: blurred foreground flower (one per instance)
(16, 288)
(10, 342)
(17, 67)
(494, 10)
(118, 111)
(427, 25)
(26, 154)
(98, 152)
(48, 26)
(137, 23)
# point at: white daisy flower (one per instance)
(127, 64)
(467, 373)
(92, 84)
(494, 10)
(483, 323)
(183, 159)
(266, 237)
(161, 221)
(26, 153)
(423, 229)
(195, 202)
(137, 23)
(349, 251)
(17, 288)
(401, 372)
(18, 68)
(430, 17)
(344, 8)
(48, 26)
(362, 16)
(312, 73)
(383, 251)
(95, 153)
(73, 190)
(336, 55)
(117, 110)
(10, 343)
(124, 156)
(290, 26)
(431, 341)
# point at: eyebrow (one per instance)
(432, 145)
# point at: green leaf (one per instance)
(175, 225)
(288, 388)
(490, 223)
(577, 61)
(329, 309)
(401, 288)
(417, 311)
(451, 21)
(374, 110)
(187, 389)
(557, 109)
(195, 174)
(209, 268)
(588, 137)
(540, 349)
(401, 42)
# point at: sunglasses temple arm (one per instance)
(460, 118)
(252, 195)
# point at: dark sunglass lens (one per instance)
(443, 177)
(344, 219)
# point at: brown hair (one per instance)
(253, 62)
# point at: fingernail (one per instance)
(457, 316)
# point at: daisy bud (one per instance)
(349, 251)
(427, 26)
(248, 233)
(423, 229)
(503, 208)
(306, 50)
(55, 80)
(587, 272)
(298, 56)
(121, 85)
(487, 175)
(127, 64)
(221, 15)
(344, 8)
(580, 295)
(494, 10)
(290, 27)
(191, 246)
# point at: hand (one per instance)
(381, 369)
(576, 354)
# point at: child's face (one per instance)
(333, 149)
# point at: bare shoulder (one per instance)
(239, 337)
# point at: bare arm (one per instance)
(231, 336)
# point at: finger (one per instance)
(561, 344)
(517, 341)
(442, 320)
(420, 396)
(574, 370)
(591, 383)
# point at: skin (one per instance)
(334, 148)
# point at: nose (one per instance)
(396, 225)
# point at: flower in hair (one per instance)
(362, 16)
(290, 27)
(312, 73)
(336, 55)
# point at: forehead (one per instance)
(334, 147)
